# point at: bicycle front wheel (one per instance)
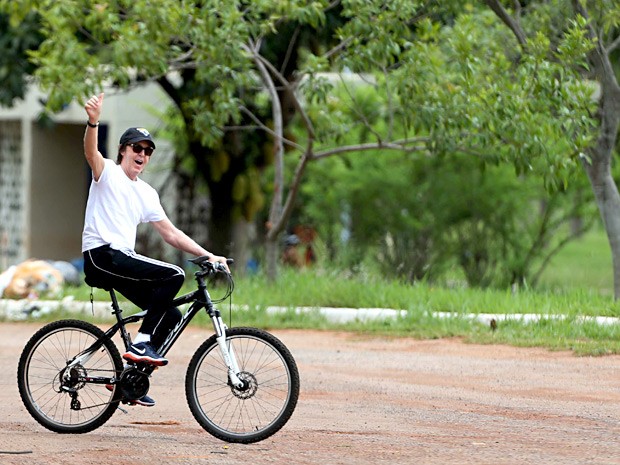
(262, 406)
(62, 399)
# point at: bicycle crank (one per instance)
(134, 384)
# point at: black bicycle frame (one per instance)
(199, 298)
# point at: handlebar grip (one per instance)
(220, 266)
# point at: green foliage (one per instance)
(417, 216)
(459, 83)
(16, 41)
(449, 82)
(376, 31)
(128, 42)
(471, 95)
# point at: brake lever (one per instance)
(220, 266)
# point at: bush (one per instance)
(418, 217)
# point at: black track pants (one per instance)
(150, 284)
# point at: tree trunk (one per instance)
(271, 257)
(221, 220)
(599, 168)
(608, 202)
(240, 245)
(276, 217)
(600, 176)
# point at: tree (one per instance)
(459, 89)
(446, 76)
(210, 57)
(198, 53)
(599, 25)
(15, 42)
(416, 217)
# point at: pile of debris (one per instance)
(33, 279)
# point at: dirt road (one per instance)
(363, 401)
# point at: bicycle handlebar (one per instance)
(208, 267)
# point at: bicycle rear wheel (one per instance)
(264, 405)
(63, 401)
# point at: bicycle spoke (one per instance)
(57, 396)
(258, 408)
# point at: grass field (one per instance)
(582, 264)
(577, 283)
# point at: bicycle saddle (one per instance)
(100, 283)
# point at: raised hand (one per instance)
(93, 108)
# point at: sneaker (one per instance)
(143, 352)
(145, 401)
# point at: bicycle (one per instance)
(241, 385)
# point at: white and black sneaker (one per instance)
(143, 352)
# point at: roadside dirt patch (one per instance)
(363, 401)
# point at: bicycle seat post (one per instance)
(117, 310)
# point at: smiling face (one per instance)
(134, 163)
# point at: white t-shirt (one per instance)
(115, 207)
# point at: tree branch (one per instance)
(169, 89)
(338, 48)
(289, 50)
(599, 56)
(278, 128)
(287, 209)
(512, 23)
(559, 247)
(279, 214)
(262, 126)
(354, 108)
(288, 85)
(402, 146)
(613, 46)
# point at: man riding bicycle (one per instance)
(118, 201)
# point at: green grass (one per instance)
(583, 264)
(577, 283)
(314, 288)
(334, 289)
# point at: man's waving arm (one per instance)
(91, 137)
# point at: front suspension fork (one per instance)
(228, 354)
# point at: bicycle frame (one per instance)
(198, 299)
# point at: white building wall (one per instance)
(44, 181)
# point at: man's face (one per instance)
(134, 163)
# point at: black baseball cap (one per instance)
(133, 135)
